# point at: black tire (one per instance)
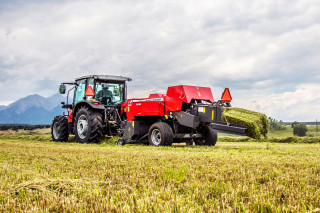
(88, 126)
(59, 129)
(121, 142)
(189, 142)
(160, 134)
(209, 137)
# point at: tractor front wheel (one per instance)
(160, 134)
(59, 129)
(88, 126)
(209, 137)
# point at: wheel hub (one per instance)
(82, 126)
(156, 137)
(56, 130)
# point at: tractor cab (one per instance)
(102, 89)
(95, 110)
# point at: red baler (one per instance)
(183, 114)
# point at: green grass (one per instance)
(288, 132)
(39, 175)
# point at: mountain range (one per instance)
(33, 109)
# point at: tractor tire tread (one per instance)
(64, 132)
(96, 127)
(168, 133)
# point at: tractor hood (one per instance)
(187, 93)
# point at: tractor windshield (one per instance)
(109, 93)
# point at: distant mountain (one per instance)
(2, 107)
(56, 99)
(33, 109)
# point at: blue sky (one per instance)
(266, 52)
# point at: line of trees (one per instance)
(24, 127)
(276, 125)
(299, 129)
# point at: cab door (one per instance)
(80, 91)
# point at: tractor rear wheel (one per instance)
(160, 134)
(59, 129)
(88, 126)
(209, 137)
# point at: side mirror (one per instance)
(62, 89)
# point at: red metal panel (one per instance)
(187, 93)
(160, 104)
(145, 107)
(70, 116)
(172, 104)
(156, 95)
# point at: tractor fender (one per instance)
(88, 104)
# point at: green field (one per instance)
(39, 175)
(289, 132)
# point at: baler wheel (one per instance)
(59, 129)
(121, 142)
(88, 126)
(209, 138)
(189, 142)
(160, 134)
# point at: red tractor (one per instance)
(100, 107)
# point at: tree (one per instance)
(294, 123)
(276, 125)
(300, 129)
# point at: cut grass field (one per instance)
(254, 176)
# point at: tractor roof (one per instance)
(106, 78)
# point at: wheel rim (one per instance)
(56, 130)
(82, 126)
(156, 137)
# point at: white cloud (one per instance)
(266, 48)
(302, 104)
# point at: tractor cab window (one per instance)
(79, 93)
(109, 93)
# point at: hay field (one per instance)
(39, 175)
